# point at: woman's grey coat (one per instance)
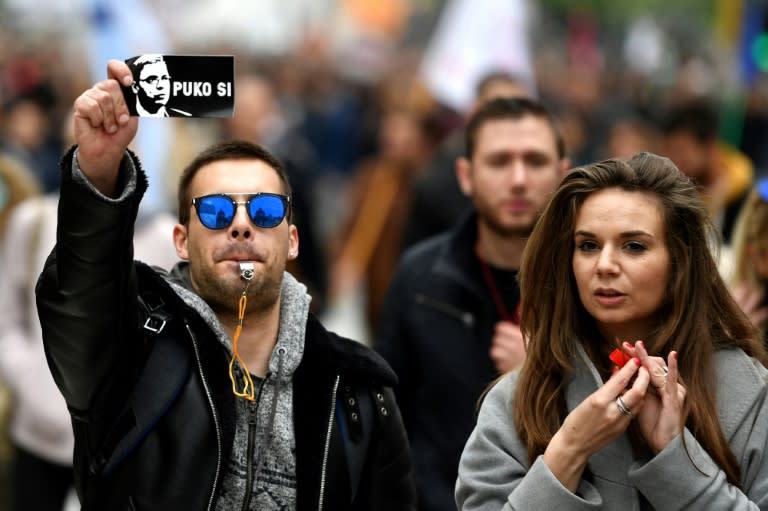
(494, 473)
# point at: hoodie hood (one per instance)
(294, 310)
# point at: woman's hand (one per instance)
(596, 422)
(661, 418)
(657, 367)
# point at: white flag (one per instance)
(472, 38)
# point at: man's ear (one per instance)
(293, 242)
(565, 166)
(463, 175)
(180, 237)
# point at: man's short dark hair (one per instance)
(222, 151)
(515, 109)
(697, 118)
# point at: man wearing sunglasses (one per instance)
(212, 387)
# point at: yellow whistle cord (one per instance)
(248, 391)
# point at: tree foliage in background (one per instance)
(624, 11)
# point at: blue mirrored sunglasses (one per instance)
(266, 210)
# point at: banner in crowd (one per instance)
(474, 37)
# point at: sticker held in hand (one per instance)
(181, 85)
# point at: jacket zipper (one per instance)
(465, 317)
(253, 410)
(327, 443)
(213, 411)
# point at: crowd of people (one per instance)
(490, 264)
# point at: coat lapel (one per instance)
(612, 462)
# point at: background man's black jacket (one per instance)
(436, 329)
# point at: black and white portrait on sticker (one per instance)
(181, 85)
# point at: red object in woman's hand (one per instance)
(619, 358)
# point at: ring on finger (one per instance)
(622, 406)
(666, 373)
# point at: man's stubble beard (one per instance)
(496, 226)
(224, 295)
(507, 232)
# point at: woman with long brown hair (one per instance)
(619, 268)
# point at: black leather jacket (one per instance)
(438, 319)
(153, 413)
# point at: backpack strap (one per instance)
(166, 369)
(156, 316)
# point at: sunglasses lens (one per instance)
(215, 212)
(266, 210)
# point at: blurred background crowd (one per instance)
(361, 99)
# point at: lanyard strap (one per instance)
(501, 307)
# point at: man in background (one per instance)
(437, 202)
(723, 173)
(449, 323)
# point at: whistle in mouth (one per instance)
(246, 270)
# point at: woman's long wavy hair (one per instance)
(697, 318)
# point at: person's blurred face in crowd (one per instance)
(512, 172)
(255, 110)
(628, 136)
(403, 140)
(501, 88)
(692, 157)
(26, 125)
(750, 240)
(153, 88)
(758, 256)
(621, 261)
